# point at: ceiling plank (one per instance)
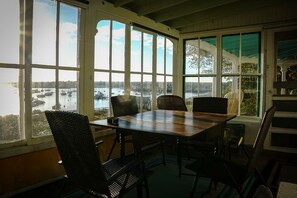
(157, 5)
(189, 7)
(118, 3)
(218, 12)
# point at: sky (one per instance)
(44, 40)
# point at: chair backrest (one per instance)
(124, 105)
(260, 138)
(76, 146)
(210, 104)
(171, 102)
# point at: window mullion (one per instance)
(127, 60)
(219, 66)
(28, 67)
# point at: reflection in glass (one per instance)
(207, 55)
(191, 56)
(201, 53)
(250, 53)
(230, 54)
(249, 86)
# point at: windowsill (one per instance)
(23, 149)
(245, 119)
(19, 150)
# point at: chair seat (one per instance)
(111, 167)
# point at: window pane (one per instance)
(135, 51)
(191, 59)
(250, 87)
(135, 84)
(68, 84)
(10, 105)
(43, 98)
(68, 40)
(169, 56)
(44, 32)
(191, 90)
(102, 45)
(160, 85)
(118, 46)
(208, 55)
(101, 94)
(230, 83)
(207, 87)
(169, 85)
(117, 85)
(250, 57)
(230, 90)
(160, 54)
(9, 34)
(147, 53)
(147, 92)
(230, 53)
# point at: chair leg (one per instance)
(179, 158)
(139, 190)
(113, 145)
(163, 153)
(147, 192)
(194, 186)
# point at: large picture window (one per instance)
(144, 70)
(40, 69)
(232, 71)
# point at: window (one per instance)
(234, 68)
(145, 70)
(40, 79)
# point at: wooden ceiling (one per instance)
(197, 15)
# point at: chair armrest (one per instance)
(60, 162)
(98, 142)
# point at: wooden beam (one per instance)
(188, 8)
(222, 11)
(118, 3)
(154, 6)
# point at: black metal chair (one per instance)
(231, 173)
(211, 141)
(127, 105)
(122, 105)
(171, 102)
(81, 159)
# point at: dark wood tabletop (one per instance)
(168, 122)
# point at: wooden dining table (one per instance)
(180, 124)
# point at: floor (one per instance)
(165, 182)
